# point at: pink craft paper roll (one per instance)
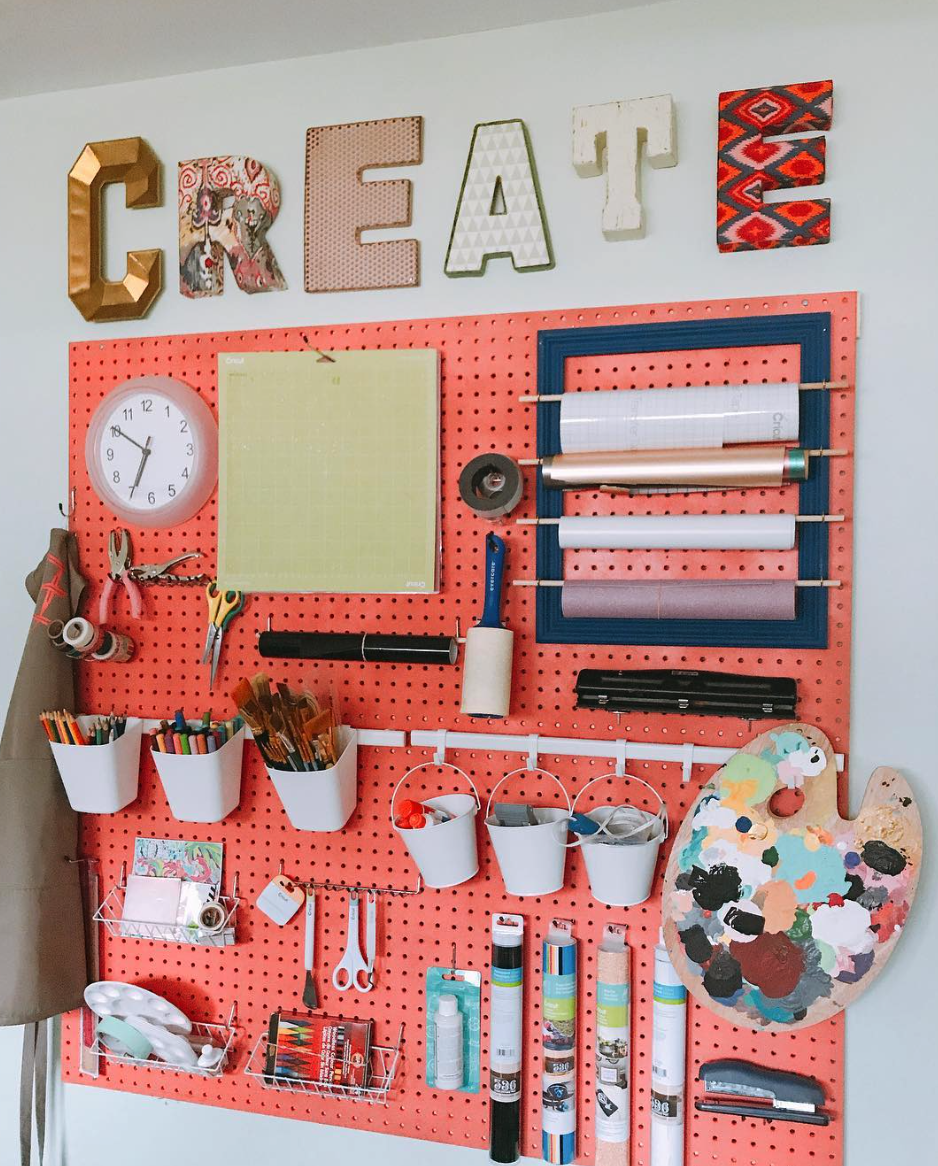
(678, 599)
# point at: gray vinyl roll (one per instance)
(726, 532)
(486, 676)
(491, 485)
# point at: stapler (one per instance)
(770, 1094)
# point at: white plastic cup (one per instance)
(531, 858)
(446, 853)
(202, 787)
(322, 801)
(101, 779)
(622, 875)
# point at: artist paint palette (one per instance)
(777, 911)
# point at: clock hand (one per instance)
(130, 439)
(143, 461)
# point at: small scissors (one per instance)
(355, 970)
(119, 557)
(223, 606)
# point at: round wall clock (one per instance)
(152, 451)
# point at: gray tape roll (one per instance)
(491, 485)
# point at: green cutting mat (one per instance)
(329, 471)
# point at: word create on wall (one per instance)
(229, 204)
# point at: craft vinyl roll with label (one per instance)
(257, 835)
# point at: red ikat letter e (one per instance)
(748, 165)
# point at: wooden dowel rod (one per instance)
(805, 387)
(560, 582)
(536, 461)
(798, 518)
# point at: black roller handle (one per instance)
(361, 646)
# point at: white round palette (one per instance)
(128, 1001)
(168, 1046)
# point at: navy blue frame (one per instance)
(811, 332)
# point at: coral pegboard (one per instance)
(487, 362)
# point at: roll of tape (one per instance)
(491, 485)
(212, 917)
(120, 1037)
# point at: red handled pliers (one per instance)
(119, 556)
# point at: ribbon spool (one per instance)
(491, 485)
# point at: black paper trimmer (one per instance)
(674, 690)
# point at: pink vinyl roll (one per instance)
(678, 599)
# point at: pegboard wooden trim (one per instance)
(810, 331)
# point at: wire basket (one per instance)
(384, 1062)
(219, 1035)
(111, 915)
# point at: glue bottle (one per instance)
(448, 1036)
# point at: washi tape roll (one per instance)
(491, 485)
(120, 1037)
(212, 917)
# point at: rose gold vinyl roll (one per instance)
(733, 467)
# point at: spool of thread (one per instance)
(711, 415)
(363, 647)
(116, 648)
(680, 599)
(212, 917)
(82, 636)
(734, 468)
(726, 532)
(486, 677)
(491, 485)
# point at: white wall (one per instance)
(883, 177)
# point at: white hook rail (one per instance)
(686, 755)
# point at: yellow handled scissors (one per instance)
(223, 606)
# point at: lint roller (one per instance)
(486, 677)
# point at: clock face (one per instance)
(152, 451)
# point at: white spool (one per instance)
(726, 532)
(486, 677)
(684, 418)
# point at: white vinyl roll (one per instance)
(686, 418)
(720, 532)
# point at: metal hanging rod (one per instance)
(359, 888)
(537, 461)
(620, 751)
(806, 386)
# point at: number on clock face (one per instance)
(147, 452)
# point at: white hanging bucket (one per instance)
(447, 853)
(101, 779)
(621, 874)
(202, 787)
(531, 858)
(325, 799)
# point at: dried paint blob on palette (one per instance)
(777, 911)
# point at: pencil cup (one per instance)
(446, 853)
(101, 779)
(324, 800)
(531, 858)
(202, 787)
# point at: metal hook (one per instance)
(68, 514)
(621, 748)
(533, 750)
(324, 357)
(268, 628)
(688, 762)
(439, 755)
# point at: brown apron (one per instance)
(43, 968)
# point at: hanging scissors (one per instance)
(355, 970)
(223, 606)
